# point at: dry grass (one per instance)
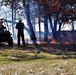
(38, 60)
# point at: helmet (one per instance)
(20, 19)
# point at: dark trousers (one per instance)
(22, 37)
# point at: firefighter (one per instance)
(20, 28)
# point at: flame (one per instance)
(54, 42)
(68, 42)
(60, 42)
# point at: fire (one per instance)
(68, 42)
(60, 42)
(54, 42)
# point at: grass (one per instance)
(38, 60)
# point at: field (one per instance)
(44, 59)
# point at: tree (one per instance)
(32, 34)
(15, 5)
(59, 12)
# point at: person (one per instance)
(20, 28)
(1, 26)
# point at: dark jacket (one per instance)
(20, 27)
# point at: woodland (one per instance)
(52, 13)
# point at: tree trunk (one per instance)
(46, 28)
(72, 25)
(12, 19)
(32, 34)
(39, 29)
(60, 23)
(51, 26)
(55, 27)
